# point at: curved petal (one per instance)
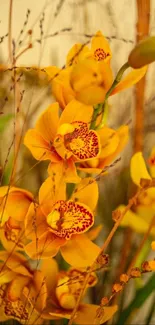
(134, 221)
(66, 170)
(132, 78)
(47, 123)
(100, 47)
(86, 192)
(153, 245)
(77, 52)
(39, 147)
(17, 205)
(138, 169)
(35, 222)
(76, 111)
(109, 140)
(38, 291)
(46, 246)
(51, 191)
(87, 314)
(12, 237)
(49, 268)
(16, 287)
(6, 275)
(79, 251)
(16, 262)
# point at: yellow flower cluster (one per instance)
(55, 222)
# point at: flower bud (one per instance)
(143, 53)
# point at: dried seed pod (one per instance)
(104, 301)
(124, 278)
(116, 214)
(148, 266)
(103, 259)
(117, 287)
(135, 272)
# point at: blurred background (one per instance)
(54, 26)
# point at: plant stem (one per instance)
(10, 32)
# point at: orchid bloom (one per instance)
(60, 224)
(23, 292)
(14, 204)
(112, 143)
(151, 162)
(63, 289)
(64, 140)
(88, 75)
(143, 211)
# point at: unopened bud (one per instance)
(148, 266)
(117, 287)
(143, 53)
(135, 272)
(103, 259)
(124, 278)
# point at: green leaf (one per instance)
(4, 121)
(140, 297)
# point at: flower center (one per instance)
(100, 54)
(68, 218)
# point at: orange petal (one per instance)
(6, 275)
(49, 268)
(66, 170)
(86, 192)
(77, 52)
(12, 238)
(100, 47)
(38, 291)
(46, 246)
(47, 123)
(80, 251)
(76, 111)
(153, 245)
(94, 232)
(17, 205)
(16, 287)
(39, 147)
(87, 313)
(132, 78)
(51, 191)
(35, 222)
(138, 168)
(16, 262)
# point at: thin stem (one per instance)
(103, 248)
(10, 32)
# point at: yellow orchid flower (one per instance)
(88, 75)
(14, 204)
(63, 290)
(151, 162)
(60, 224)
(143, 211)
(112, 143)
(19, 287)
(64, 140)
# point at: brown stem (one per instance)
(10, 32)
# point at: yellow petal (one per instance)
(100, 47)
(51, 191)
(87, 314)
(35, 222)
(46, 246)
(47, 123)
(94, 232)
(109, 140)
(75, 252)
(134, 221)
(76, 111)
(138, 169)
(92, 95)
(49, 268)
(39, 147)
(38, 291)
(77, 52)
(66, 170)
(6, 275)
(16, 262)
(132, 78)
(86, 192)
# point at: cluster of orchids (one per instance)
(73, 135)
